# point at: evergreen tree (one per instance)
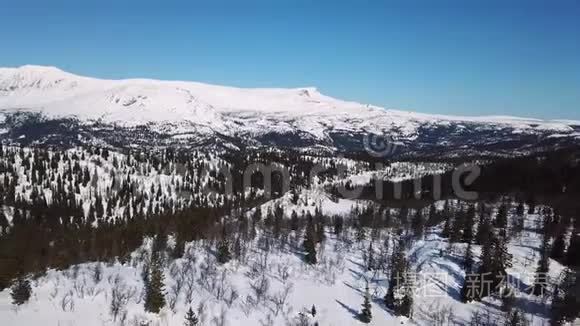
(155, 287)
(370, 259)
(467, 235)
(501, 217)
(573, 253)
(21, 291)
(541, 277)
(558, 247)
(399, 293)
(294, 221)
(483, 230)
(310, 243)
(191, 318)
(313, 311)
(446, 227)
(418, 224)
(366, 314)
(223, 252)
(468, 259)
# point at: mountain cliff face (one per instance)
(45, 105)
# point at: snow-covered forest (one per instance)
(93, 236)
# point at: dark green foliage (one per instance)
(541, 277)
(573, 253)
(191, 318)
(21, 291)
(310, 243)
(418, 224)
(365, 315)
(155, 287)
(468, 259)
(558, 247)
(223, 252)
(501, 217)
(399, 297)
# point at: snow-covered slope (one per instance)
(134, 101)
(181, 108)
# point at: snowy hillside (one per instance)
(275, 286)
(190, 110)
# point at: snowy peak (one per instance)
(295, 117)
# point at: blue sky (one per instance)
(465, 57)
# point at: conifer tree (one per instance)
(501, 217)
(310, 243)
(370, 259)
(154, 287)
(483, 230)
(468, 259)
(223, 252)
(541, 277)
(191, 318)
(399, 293)
(418, 224)
(573, 253)
(21, 291)
(558, 247)
(467, 235)
(366, 313)
(446, 227)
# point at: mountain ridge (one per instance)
(193, 113)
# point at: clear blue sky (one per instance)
(472, 57)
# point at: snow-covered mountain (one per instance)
(33, 98)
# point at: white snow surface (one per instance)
(192, 106)
(335, 286)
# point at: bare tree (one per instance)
(260, 288)
(120, 296)
(221, 319)
(67, 303)
(440, 315)
(279, 299)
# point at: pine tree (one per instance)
(541, 277)
(483, 230)
(191, 318)
(467, 235)
(446, 227)
(310, 243)
(313, 311)
(366, 314)
(558, 247)
(223, 252)
(21, 292)
(573, 253)
(294, 221)
(370, 259)
(3, 220)
(154, 287)
(468, 259)
(399, 293)
(457, 227)
(418, 224)
(501, 217)
(501, 260)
